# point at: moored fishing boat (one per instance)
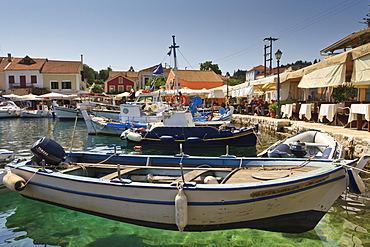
(9, 109)
(182, 192)
(6, 155)
(178, 127)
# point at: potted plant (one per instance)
(272, 109)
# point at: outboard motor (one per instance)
(49, 150)
(298, 149)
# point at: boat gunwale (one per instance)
(286, 181)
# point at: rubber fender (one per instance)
(181, 210)
(210, 180)
(14, 182)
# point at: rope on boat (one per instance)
(31, 177)
(355, 168)
(107, 158)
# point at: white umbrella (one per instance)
(28, 97)
(11, 96)
(51, 96)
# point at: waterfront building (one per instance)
(23, 75)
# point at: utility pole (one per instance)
(268, 54)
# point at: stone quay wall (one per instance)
(355, 142)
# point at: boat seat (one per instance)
(326, 153)
(279, 151)
(122, 172)
(190, 176)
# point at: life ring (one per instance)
(179, 100)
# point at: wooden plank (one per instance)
(189, 176)
(122, 171)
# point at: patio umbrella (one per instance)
(28, 97)
(11, 96)
(51, 96)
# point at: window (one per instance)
(120, 80)
(54, 85)
(112, 88)
(120, 88)
(11, 79)
(33, 79)
(66, 85)
(128, 88)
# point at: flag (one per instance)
(132, 90)
(158, 70)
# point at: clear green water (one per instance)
(24, 222)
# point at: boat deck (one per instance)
(155, 174)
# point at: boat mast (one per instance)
(174, 46)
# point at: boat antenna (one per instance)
(174, 46)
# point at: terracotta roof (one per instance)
(16, 65)
(3, 62)
(131, 75)
(61, 67)
(150, 69)
(199, 75)
(259, 67)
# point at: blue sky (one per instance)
(122, 33)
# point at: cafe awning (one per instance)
(330, 72)
(361, 65)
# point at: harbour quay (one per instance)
(355, 142)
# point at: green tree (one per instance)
(366, 20)
(104, 73)
(90, 74)
(98, 88)
(209, 66)
(159, 81)
(239, 75)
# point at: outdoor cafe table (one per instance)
(305, 110)
(328, 111)
(287, 110)
(359, 112)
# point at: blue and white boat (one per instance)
(178, 127)
(182, 192)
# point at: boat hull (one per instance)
(197, 136)
(35, 114)
(286, 205)
(64, 113)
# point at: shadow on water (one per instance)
(25, 222)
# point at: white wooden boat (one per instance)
(309, 143)
(8, 109)
(42, 111)
(182, 192)
(107, 126)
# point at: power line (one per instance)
(299, 26)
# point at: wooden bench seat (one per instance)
(122, 172)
